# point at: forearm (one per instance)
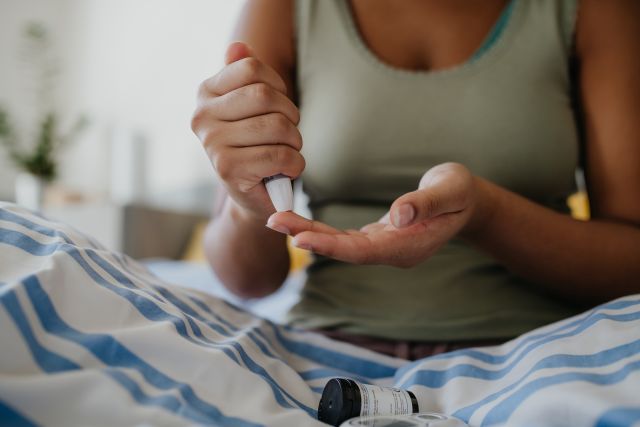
(250, 260)
(587, 260)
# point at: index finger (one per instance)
(241, 73)
(354, 247)
(293, 224)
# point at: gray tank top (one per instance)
(370, 132)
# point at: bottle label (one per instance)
(376, 400)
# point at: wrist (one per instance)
(243, 216)
(483, 210)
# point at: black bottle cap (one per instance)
(415, 408)
(340, 401)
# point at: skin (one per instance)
(589, 261)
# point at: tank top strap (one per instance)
(552, 21)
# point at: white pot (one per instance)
(29, 191)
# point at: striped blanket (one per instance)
(89, 337)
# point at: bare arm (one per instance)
(250, 259)
(598, 259)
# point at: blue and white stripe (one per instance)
(90, 337)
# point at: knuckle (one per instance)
(271, 155)
(433, 204)
(209, 87)
(284, 155)
(196, 120)
(281, 125)
(223, 165)
(262, 94)
(430, 206)
(204, 122)
(296, 139)
(274, 156)
(257, 125)
(203, 89)
(211, 135)
(296, 116)
(301, 164)
(270, 124)
(251, 67)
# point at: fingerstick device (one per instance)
(280, 192)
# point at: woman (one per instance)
(452, 130)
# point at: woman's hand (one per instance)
(417, 224)
(247, 125)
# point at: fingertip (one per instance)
(279, 228)
(276, 218)
(237, 50)
(273, 218)
(298, 242)
(403, 215)
(281, 216)
(287, 222)
(385, 218)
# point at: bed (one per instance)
(90, 337)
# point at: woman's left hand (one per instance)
(415, 227)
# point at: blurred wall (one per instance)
(133, 67)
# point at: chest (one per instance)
(425, 34)
(371, 129)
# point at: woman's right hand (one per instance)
(247, 125)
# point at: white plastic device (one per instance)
(280, 192)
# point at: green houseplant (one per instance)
(37, 158)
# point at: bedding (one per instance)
(91, 337)
(199, 276)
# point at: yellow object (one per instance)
(195, 249)
(299, 257)
(579, 205)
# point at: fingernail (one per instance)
(301, 245)
(403, 215)
(278, 227)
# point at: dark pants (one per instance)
(410, 350)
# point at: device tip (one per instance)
(280, 192)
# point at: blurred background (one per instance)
(102, 91)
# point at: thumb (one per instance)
(237, 51)
(440, 192)
(415, 207)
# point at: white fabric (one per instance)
(90, 337)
